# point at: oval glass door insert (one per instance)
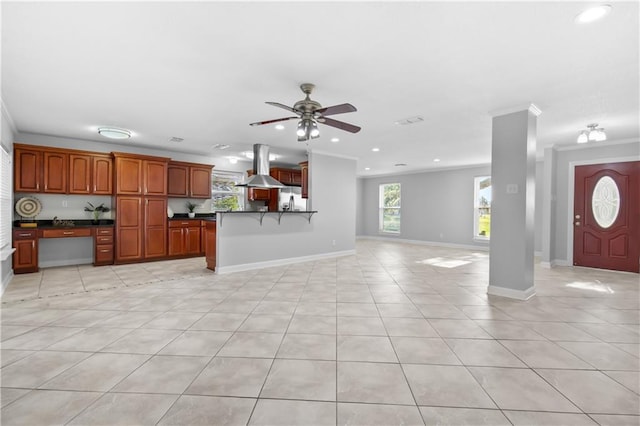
(605, 201)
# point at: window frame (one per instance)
(476, 208)
(382, 207)
(238, 192)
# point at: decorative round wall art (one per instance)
(28, 207)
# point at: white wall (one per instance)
(244, 244)
(437, 206)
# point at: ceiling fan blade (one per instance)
(340, 125)
(260, 123)
(337, 109)
(288, 108)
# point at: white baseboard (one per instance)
(546, 265)
(65, 262)
(511, 293)
(484, 247)
(561, 262)
(281, 262)
(5, 281)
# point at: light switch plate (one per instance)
(512, 188)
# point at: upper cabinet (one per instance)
(61, 171)
(102, 173)
(140, 175)
(304, 169)
(27, 170)
(289, 177)
(189, 180)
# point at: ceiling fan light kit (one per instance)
(310, 113)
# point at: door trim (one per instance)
(571, 195)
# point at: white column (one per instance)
(513, 162)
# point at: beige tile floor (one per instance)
(397, 334)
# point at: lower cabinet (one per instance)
(25, 258)
(141, 228)
(185, 238)
(103, 248)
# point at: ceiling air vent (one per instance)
(175, 139)
(410, 120)
(220, 146)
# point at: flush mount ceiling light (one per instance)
(593, 14)
(114, 133)
(594, 134)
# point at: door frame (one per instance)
(571, 196)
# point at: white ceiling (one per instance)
(202, 71)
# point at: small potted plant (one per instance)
(191, 207)
(96, 210)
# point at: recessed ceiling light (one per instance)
(114, 133)
(279, 127)
(436, 160)
(335, 140)
(593, 14)
(367, 168)
(233, 160)
(375, 149)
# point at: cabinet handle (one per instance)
(87, 188)
(25, 235)
(95, 188)
(184, 223)
(105, 251)
(67, 233)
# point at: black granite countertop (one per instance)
(202, 216)
(77, 223)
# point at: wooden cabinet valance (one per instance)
(189, 180)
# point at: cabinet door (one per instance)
(129, 228)
(102, 175)
(203, 237)
(155, 230)
(55, 172)
(79, 174)
(210, 248)
(27, 170)
(128, 176)
(200, 182)
(155, 177)
(296, 178)
(176, 246)
(177, 180)
(25, 258)
(304, 171)
(192, 240)
(259, 194)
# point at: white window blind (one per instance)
(5, 200)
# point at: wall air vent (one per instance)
(175, 139)
(410, 120)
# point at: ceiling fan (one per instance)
(310, 114)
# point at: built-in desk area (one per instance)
(26, 241)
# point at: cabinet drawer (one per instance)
(24, 235)
(104, 231)
(184, 223)
(104, 253)
(107, 239)
(66, 233)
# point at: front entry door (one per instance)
(606, 219)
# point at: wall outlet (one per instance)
(65, 203)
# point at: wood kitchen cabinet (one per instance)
(185, 237)
(258, 194)
(25, 257)
(189, 180)
(129, 228)
(128, 175)
(79, 174)
(289, 177)
(61, 171)
(304, 177)
(27, 170)
(55, 171)
(154, 177)
(155, 227)
(102, 174)
(210, 249)
(103, 246)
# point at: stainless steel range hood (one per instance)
(261, 178)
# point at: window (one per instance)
(390, 208)
(5, 196)
(482, 207)
(225, 195)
